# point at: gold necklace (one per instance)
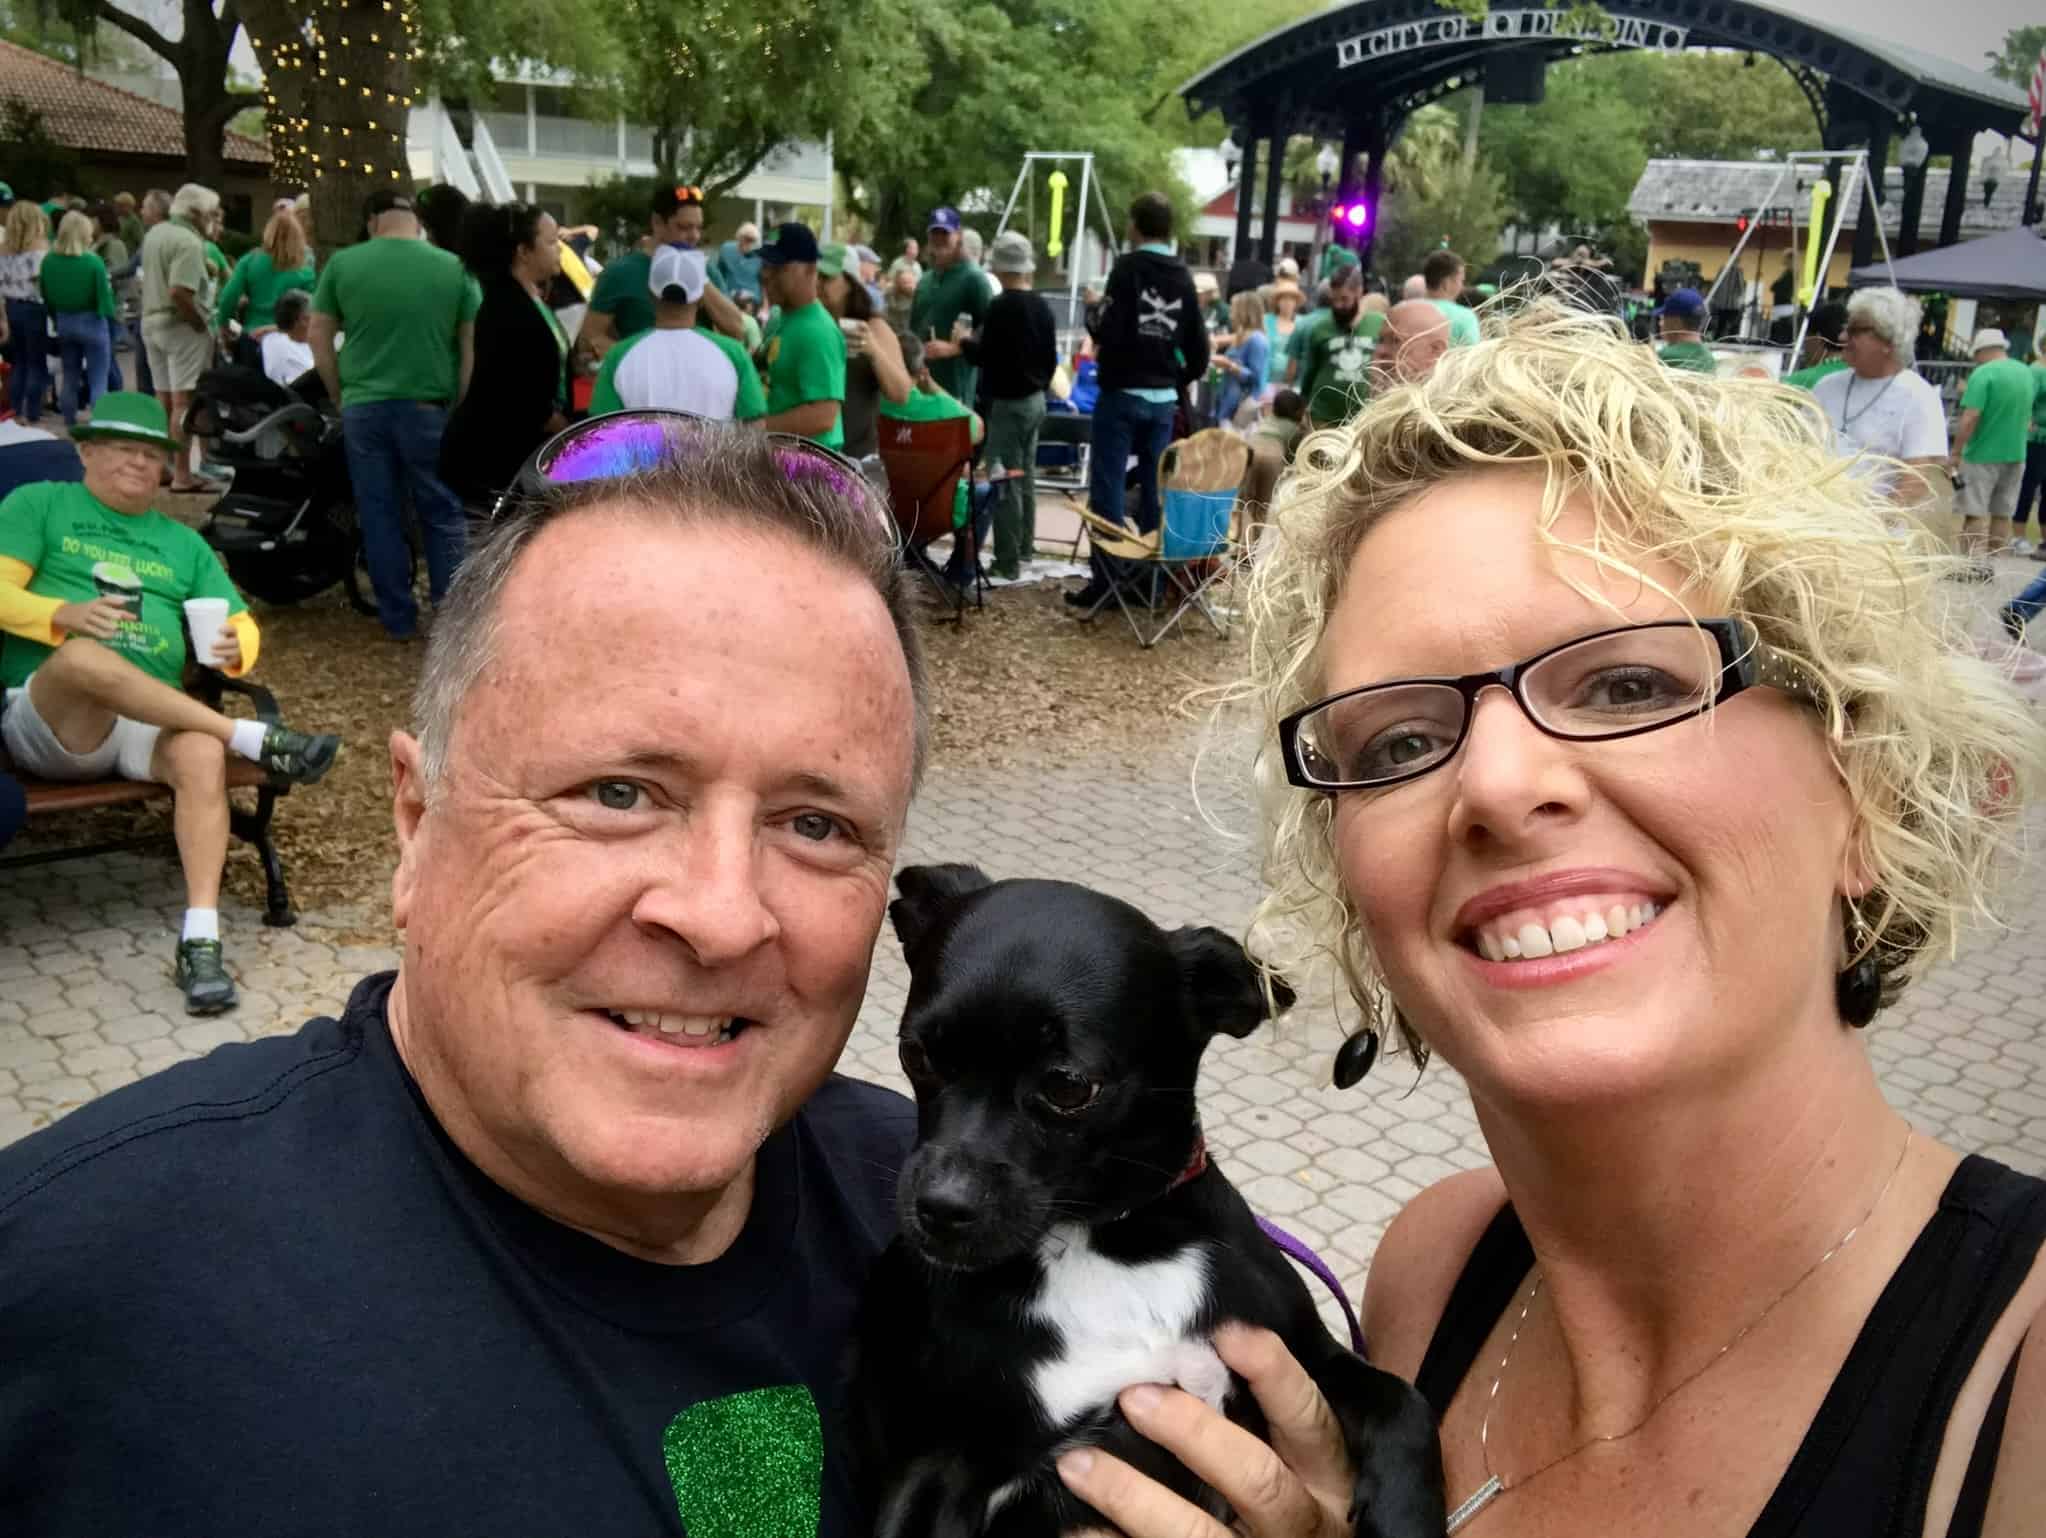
(1496, 1486)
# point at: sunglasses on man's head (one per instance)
(688, 194)
(623, 443)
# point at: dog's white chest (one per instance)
(1119, 1324)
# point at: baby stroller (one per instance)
(286, 529)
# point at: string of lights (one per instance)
(310, 68)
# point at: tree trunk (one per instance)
(362, 90)
(278, 33)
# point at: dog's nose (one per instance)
(946, 1207)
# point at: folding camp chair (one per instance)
(1195, 547)
(924, 461)
(1065, 449)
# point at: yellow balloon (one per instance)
(1055, 245)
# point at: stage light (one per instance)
(1357, 215)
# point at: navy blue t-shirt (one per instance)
(263, 1293)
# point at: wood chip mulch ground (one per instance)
(1019, 683)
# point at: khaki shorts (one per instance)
(125, 754)
(1989, 491)
(178, 355)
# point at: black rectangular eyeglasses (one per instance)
(1614, 683)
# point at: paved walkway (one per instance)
(86, 1003)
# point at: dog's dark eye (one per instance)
(1066, 1091)
(914, 1061)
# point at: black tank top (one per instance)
(1866, 1464)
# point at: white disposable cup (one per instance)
(206, 618)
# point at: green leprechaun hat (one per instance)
(128, 416)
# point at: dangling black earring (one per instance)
(1355, 1057)
(1859, 990)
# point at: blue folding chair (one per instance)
(1178, 564)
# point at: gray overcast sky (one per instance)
(1960, 30)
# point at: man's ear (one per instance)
(408, 810)
(1225, 989)
(929, 892)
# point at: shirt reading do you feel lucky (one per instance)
(59, 544)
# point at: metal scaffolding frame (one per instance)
(1075, 261)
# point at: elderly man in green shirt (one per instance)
(1988, 453)
(953, 290)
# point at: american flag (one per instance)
(2037, 94)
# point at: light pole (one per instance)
(1327, 162)
(1912, 153)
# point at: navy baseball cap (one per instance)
(792, 243)
(944, 219)
(1685, 304)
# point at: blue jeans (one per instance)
(2027, 604)
(393, 451)
(115, 332)
(82, 338)
(28, 354)
(1126, 424)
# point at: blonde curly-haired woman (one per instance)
(1634, 799)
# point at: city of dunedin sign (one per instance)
(1510, 27)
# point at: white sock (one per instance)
(202, 924)
(248, 739)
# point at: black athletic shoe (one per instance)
(208, 989)
(2013, 624)
(297, 757)
(1088, 596)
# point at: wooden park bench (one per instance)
(50, 799)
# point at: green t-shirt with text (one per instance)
(805, 354)
(80, 549)
(401, 305)
(1335, 365)
(2003, 392)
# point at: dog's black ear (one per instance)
(929, 892)
(1225, 987)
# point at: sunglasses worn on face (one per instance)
(623, 443)
(1611, 684)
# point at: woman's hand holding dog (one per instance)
(1301, 1486)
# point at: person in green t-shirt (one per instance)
(80, 299)
(2034, 484)
(804, 349)
(1824, 336)
(265, 275)
(409, 313)
(93, 583)
(951, 301)
(621, 303)
(1682, 318)
(1443, 274)
(1336, 346)
(1988, 452)
(929, 401)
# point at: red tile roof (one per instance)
(85, 114)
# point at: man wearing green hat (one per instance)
(94, 584)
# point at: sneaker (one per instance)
(297, 757)
(2022, 547)
(2013, 623)
(207, 987)
(2039, 552)
(1088, 596)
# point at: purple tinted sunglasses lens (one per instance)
(610, 449)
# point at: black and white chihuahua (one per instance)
(1064, 1234)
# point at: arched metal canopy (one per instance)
(1355, 72)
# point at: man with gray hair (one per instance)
(1879, 404)
(561, 1226)
(177, 298)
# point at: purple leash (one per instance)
(1296, 1250)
